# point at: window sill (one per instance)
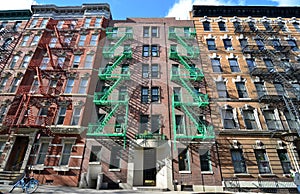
(61, 168)
(266, 175)
(245, 99)
(114, 170)
(242, 175)
(94, 163)
(38, 167)
(185, 172)
(207, 172)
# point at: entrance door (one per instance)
(149, 167)
(17, 154)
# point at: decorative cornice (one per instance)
(244, 11)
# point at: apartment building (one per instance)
(153, 125)
(47, 84)
(250, 59)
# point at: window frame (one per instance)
(227, 44)
(234, 65)
(216, 65)
(76, 115)
(62, 112)
(115, 160)
(205, 161)
(211, 44)
(144, 95)
(83, 85)
(69, 85)
(241, 89)
(66, 153)
(206, 26)
(184, 159)
(222, 26)
(155, 94)
(238, 162)
(262, 161)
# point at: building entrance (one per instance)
(149, 177)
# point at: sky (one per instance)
(122, 9)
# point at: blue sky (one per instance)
(121, 9)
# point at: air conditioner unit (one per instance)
(118, 130)
(258, 144)
(235, 143)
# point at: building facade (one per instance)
(46, 107)
(250, 60)
(153, 125)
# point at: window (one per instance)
(243, 43)
(69, 86)
(25, 40)
(43, 150)
(234, 66)
(34, 86)
(216, 65)
(144, 121)
(227, 44)
(82, 40)
(282, 26)
(3, 83)
(269, 64)
(241, 89)
(114, 158)
(146, 31)
(222, 26)
(260, 44)
(95, 155)
(211, 44)
(250, 63)
(155, 94)
(2, 146)
(279, 89)
(222, 90)
(146, 51)
(76, 61)
(83, 85)
(284, 160)
(238, 161)
(66, 153)
(17, 25)
(267, 26)
(179, 121)
(33, 23)
(252, 26)
(260, 88)
(98, 22)
(122, 93)
(44, 63)
(271, 120)
(177, 94)
(154, 51)
(61, 115)
(67, 40)
(14, 61)
(44, 23)
(249, 119)
(120, 120)
(15, 84)
(155, 123)
(76, 116)
(35, 40)
(276, 44)
(52, 42)
(25, 61)
(145, 70)
(296, 26)
(125, 69)
(228, 119)
(88, 64)
(87, 22)
(237, 26)
(145, 94)
(293, 44)
(60, 24)
(293, 124)
(183, 159)
(3, 110)
(94, 40)
(205, 160)
(186, 32)
(154, 71)
(154, 31)
(262, 161)
(206, 26)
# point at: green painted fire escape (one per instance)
(183, 53)
(114, 74)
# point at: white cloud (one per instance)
(181, 9)
(287, 2)
(17, 4)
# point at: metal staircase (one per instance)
(109, 100)
(186, 76)
(284, 73)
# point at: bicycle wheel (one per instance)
(31, 186)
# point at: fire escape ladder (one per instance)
(110, 51)
(50, 56)
(116, 63)
(109, 91)
(22, 109)
(58, 35)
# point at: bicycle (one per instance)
(28, 186)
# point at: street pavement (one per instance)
(73, 190)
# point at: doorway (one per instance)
(17, 154)
(149, 177)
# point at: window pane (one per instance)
(262, 161)
(114, 158)
(238, 161)
(183, 160)
(205, 160)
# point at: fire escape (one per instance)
(112, 99)
(279, 71)
(39, 94)
(188, 76)
(9, 37)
